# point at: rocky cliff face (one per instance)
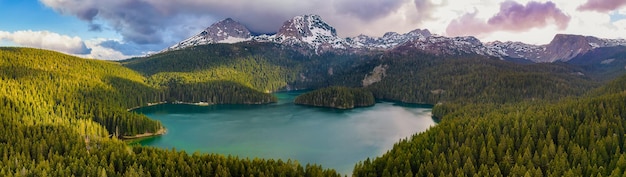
(564, 47)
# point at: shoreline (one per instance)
(160, 132)
(176, 102)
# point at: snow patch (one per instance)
(231, 40)
(607, 61)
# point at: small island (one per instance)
(337, 97)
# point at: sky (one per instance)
(120, 29)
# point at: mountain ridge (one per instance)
(312, 35)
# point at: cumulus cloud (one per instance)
(101, 51)
(602, 5)
(151, 21)
(511, 17)
(46, 40)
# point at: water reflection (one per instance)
(333, 138)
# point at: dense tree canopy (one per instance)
(337, 97)
(57, 113)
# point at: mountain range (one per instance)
(310, 34)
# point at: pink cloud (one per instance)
(602, 5)
(512, 17)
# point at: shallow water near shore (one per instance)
(335, 139)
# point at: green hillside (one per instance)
(265, 67)
(573, 137)
(410, 77)
(57, 113)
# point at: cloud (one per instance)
(102, 52)
(511, 17)
(368, 9)
(136, 20)
(602, 5)
(46, 40)
(95, 27)
(155, 21)
(128, 49)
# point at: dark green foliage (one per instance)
(218, 92)
(418, 78)
(337, 97)
(575, 137)
(498, 118)
(262, 66)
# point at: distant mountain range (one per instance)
(310, 34)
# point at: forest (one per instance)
(337, 97)
(581, 136)
(61, 115)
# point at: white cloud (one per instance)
(46, 40)
(62, 43)
(103, 53)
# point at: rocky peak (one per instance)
(226, 28)
(565, 47)
(419, 33)
(225, 31)
(307, 28)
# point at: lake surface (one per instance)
(333, 138)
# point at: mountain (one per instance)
(309, 30)
(225, 31)
(562, 48)
(310, 34)
(389, 40)
(305, 32)
(440, 45)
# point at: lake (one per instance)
(333, 138)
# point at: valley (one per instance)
(503, 108)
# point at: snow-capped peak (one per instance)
(310, 30)
(224, 31)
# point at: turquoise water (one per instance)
(333, 138)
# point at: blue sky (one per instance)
(32, 15)
(130, 28)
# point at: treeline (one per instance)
(337, 97)
(217, 92)
(573, 137)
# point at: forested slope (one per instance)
(44, 87)
(411, 76)
(57, 112)
(337, 97)
(265, 66)
(572, 137)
